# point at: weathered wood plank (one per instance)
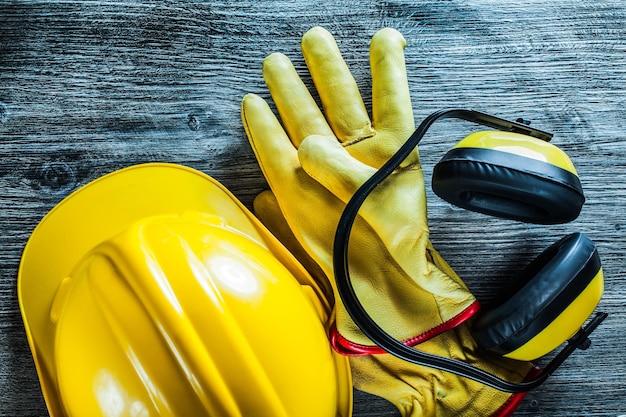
(89, 87)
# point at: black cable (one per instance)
(363, 320)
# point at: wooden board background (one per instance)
(89, 87)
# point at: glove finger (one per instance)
(277, 156)
(398, 218)
(330, 164)
(391, 100)
(336, 87)
(298, 111)
(268, 210)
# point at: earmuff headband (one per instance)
(365, 322)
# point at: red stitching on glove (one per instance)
(347, 348)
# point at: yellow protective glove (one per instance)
(392, 262)
(402, 282)
(417, 391)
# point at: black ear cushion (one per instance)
(545, 288)
(508, 185)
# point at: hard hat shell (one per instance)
(153, 291)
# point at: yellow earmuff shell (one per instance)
(518, 144)
(565, 325)
(549, 302)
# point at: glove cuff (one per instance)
(345, 347)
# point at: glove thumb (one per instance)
(268, 211)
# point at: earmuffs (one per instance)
(553, 296)
(513, 173)
(523, 178)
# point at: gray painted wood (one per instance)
(90, 87)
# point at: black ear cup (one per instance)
(508, 185)
(563, 283)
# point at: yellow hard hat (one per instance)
(153, 291)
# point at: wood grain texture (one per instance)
(89, 87)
